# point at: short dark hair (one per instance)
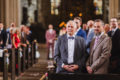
(79, 18)
(99, 20)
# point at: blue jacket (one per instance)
(81, 33)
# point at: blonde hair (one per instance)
(15, 31)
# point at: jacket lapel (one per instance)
(114, 35)
(100, 40)
(75, 48)
(66, 45)
(92, 45)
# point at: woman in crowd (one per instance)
(16, 44)
(16, 39)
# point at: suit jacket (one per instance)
(115, 52)
(61, 53)
(99, 57)
(29, 37)
(89, 39)
(50, 36)
(81, 33)
(3, 37)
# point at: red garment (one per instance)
(17, 40)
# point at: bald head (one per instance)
(90, 23)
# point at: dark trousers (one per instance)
(114, 66)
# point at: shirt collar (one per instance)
(1, 29)
(77, 30)
(70, 36)
(114, 29)
(100, 35)
(91, 29)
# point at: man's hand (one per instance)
(74, 67)
(68, 68)
(89, 69)
(50, 41)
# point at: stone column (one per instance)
(2, 11)
(113, 8)
(10, 12)
(40, 13)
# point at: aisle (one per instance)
(38, 69)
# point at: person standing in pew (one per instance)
(3, 36)
(29, 36)
(23, 36)
(70, 52)
(100, 49)
(16, 45)
(115, 52)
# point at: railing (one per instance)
(54, 76)
(23, 56)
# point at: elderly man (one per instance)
(100, 48)
(70, 51)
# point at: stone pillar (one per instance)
(2, 11)
(105, 10)
(40, 13)
(113, 8)
(10, 12)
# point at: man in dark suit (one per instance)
(79, 30)
(3, 36)
(115, 52)
(70, 51)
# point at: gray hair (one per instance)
(99, 20)
(71, 21)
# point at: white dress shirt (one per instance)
(97, 39)
(71, 43)
(50, 30)
(114, 30)
(77, 30)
